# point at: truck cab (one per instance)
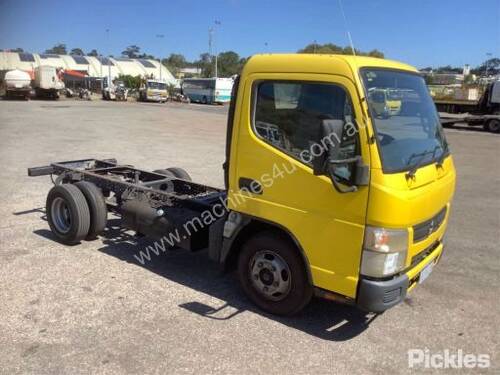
(362, 199)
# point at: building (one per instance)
(189, 72)
(90, 66)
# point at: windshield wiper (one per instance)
(413, 169)
(440, 160)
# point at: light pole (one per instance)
(109, 61)
(211, 41)
(160, 36)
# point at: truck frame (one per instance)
(159, 198)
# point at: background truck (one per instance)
(116, 91)
(322, 196)
(485, 111)
(17, 83)
(47, 82)
(153, 90)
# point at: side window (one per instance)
(288, 115)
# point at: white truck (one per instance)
(17, 84)
(47, 82)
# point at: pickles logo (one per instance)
(424, 358)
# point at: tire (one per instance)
(492, 126)
(97, 206)
(180, 173)
(68, 213)
(288, 291)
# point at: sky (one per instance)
(419, 32)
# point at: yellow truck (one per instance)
(323, 197)
(385, 103)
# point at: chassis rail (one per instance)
(125, 182)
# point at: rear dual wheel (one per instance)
(76, 212)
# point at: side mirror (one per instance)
(329, 160)
(330, 137)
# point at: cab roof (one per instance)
(318, 63)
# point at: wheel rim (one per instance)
(270, 275)
(61, 216)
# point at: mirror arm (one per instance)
(338, 187)
(345, 161)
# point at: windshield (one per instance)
(157, 85)
(406, 122)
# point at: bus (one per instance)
(208, 90)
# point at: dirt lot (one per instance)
(93, 309)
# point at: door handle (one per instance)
(250, 185)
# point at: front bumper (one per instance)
(377, 296)
(380, 295)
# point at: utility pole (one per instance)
(211, 42)
(109, 61)
(161, 36)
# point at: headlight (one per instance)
(384, 251)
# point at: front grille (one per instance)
(423, 230)
(423, 254)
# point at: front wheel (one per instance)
(493, 126)
(272, 273)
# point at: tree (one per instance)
(58, 49)
(77, 52)
(19, 50)
(93, 53)
(491, 65)
(449, 69)
(229, 63)
(330, 48)
(129, 81)
(376, 53)
(132, 51)
(175, 62)
(205, 64)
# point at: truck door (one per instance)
(271, 154)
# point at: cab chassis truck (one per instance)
(361, 223)
(485, 112)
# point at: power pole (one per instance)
(211, 49)
(161, 36)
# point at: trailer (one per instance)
(17, 84)
(47, 82)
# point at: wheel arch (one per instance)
(250, 226)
